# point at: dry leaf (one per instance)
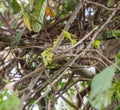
(50, 12)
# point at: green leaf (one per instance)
(69, 37)
(118, 108)
(117, 59)
(101, 84)
(3, 7)
(110, 3)
(37, 14)
(56, 42)
(73, 41)
(115, 33)
(26, 19)
(9, 101)
(116, 89)
(15, 6)
(31, 2)
(68, 5)
(47, 56)
(17, 39)
(96, 43)
(52, 66)
(61, 84)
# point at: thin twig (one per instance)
(103, 6)
(70, 21)
(100, 29)
(79, 42)
(71, 104)
(7, 24)
(30, 87)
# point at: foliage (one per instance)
(68, 36)
(56, 42)
(116, 89)
(15, 6)
(56, 57)
(118, 108)
(68, 5)
(110, 3)
(8, 100)
(26, 20)
(100, 97)
(17, 39)
(34, 19)
(117, 59)
(96, 43)
(49, 52)
(116, 33)
(47, 56)
(37, 14)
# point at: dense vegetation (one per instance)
(59, 54)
